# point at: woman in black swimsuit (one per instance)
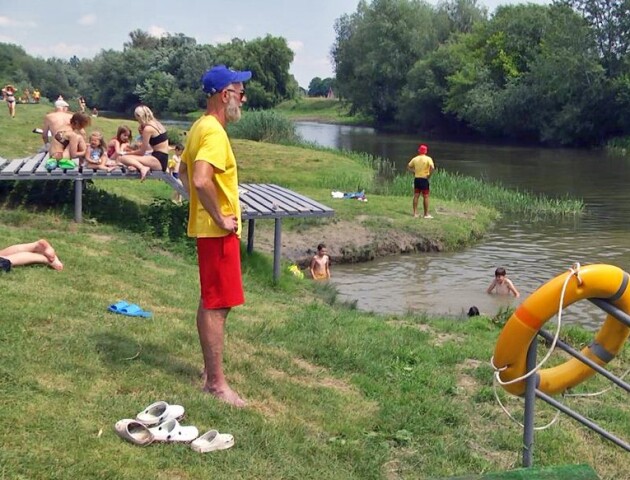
(153, 138)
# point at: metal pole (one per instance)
(78, 200)
(613, 310)
(571, 351)
(530, 401)
(250, 235)
(277, 247)
(583, 420)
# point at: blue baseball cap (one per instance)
(219, 77)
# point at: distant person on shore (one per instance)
(501, 284)
(82, 104)
(422, 166)
(36, 95)
(71, 143)
(9, 95)
(155, 138)
(95, 112)
(29, 253)
(320, 264)
(209, 174)
(54, 122)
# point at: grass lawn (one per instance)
(320, 110)
(333, 392)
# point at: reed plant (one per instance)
(462, 188)
(265, 126)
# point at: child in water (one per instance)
(320, 264)
(501, 284)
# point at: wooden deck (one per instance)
(258, 201)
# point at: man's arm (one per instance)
(45, 130)
(203, 175)
(492, 285)
(183, 176)
(327, 266)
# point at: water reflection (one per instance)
(532, 253)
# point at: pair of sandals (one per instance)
(129, 309)
(159, 423)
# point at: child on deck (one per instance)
(120, 143)
(173, 169)
(96, 156)
(501, 284)
(320, 264)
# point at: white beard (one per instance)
(233, 110)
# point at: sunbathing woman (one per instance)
(70, 142)
(153, 137)
(28, 253)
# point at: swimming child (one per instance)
(320, 264)
(501, 284)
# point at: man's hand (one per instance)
(229, 223)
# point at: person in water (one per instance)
(320, 264)
(502, 285)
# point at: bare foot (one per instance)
(415, 215)
(46, 249)
(228, 396)
(56, 264)
(143, 173)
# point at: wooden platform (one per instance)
(258, 201)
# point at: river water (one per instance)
(450, 283)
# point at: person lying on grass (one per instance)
(29, 253)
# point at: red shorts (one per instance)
(220, 272)
(421, 185)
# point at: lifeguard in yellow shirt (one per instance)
(422, 166)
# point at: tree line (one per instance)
(162, 72)
(556, 74)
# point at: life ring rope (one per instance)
(574, 271)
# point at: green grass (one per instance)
(320, 110)
(333, 392)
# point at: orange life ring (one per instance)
(597, 281)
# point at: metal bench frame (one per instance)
(258, 201)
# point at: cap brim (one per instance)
(242, 76)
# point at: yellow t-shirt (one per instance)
(208, 142)
(421, 165)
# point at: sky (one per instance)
(65, 28)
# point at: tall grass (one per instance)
(265, 126)
(457, 187)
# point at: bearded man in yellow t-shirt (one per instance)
(208, 172)
(422, 166)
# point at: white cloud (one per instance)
(156, 31)
(296, 45)
(87, 20)
(7, 39)
(13, 23)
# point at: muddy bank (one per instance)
(347, 242)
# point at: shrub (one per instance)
(264, 126)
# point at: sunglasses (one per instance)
(241, 93)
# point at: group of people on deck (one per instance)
(69, 143)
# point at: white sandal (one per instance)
(134, 432)
(160, 412)
(211, 441)
(172, 431)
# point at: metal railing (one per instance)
(531, 392)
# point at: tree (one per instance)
(610, 20)
(375, 48)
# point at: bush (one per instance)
(264, 126)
